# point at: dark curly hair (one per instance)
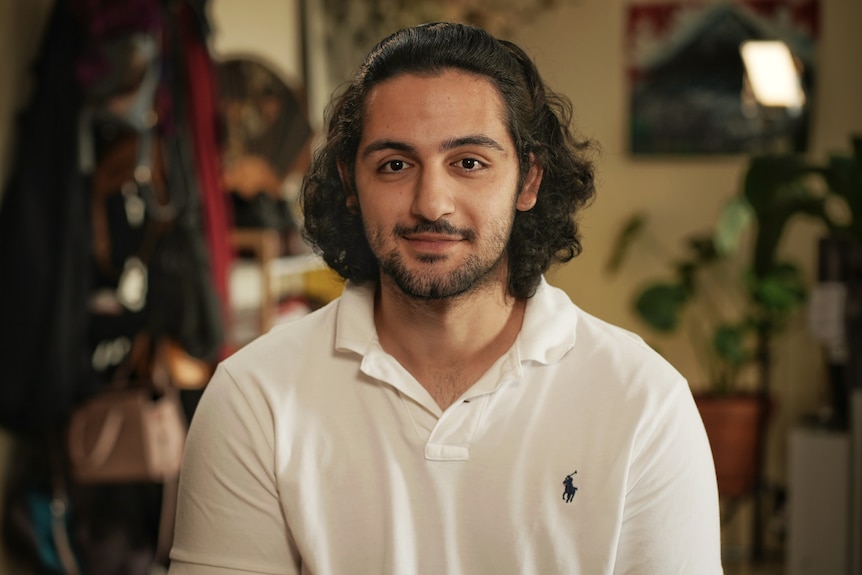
(538, 121)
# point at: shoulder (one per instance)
(625, 354)
(556, 322)
(605, 361)
(345, 324)
(285, 338)
(624, 346)
(309, 351)
(273, 359)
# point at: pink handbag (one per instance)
(133, 434)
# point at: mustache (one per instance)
(442, 227)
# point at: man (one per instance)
(451, 412)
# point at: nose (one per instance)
(433, 196)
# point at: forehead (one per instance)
(453, 98)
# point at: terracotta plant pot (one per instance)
(733, 426)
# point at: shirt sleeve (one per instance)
(229, 518)
(671, 522)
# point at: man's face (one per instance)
(436, 182)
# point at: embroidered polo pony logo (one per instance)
(570, 489)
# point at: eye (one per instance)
(469, 164)
(394, 166)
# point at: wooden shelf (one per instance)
(264, 245)
(281, 275)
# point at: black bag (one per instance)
(44, 247)
(183, 304)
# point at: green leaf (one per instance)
(660, 305)
(628, 234)
(776, 189)
(702, 248)
(729, 343)
(736, 217)
(843, 175)
(781, 291)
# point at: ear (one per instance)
(530, 189)
(344, 174)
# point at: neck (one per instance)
(447, 344)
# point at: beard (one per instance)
(477, 271)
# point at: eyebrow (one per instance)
(450, 144)
(474, 140)
(380, 145)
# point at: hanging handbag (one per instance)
(127, 435)
(131, 432)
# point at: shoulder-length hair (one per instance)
(538, 122)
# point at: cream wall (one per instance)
(273, 35)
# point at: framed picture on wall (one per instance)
(694, 83)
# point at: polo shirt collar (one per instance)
(550, 323)
(355, 330)
(547, 332)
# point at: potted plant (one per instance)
(733, 294)
(729, 315)
(767, 291)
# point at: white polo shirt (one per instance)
(580, 451)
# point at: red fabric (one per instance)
(202, 116)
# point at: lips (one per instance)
(431, 243)
(433, 238)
